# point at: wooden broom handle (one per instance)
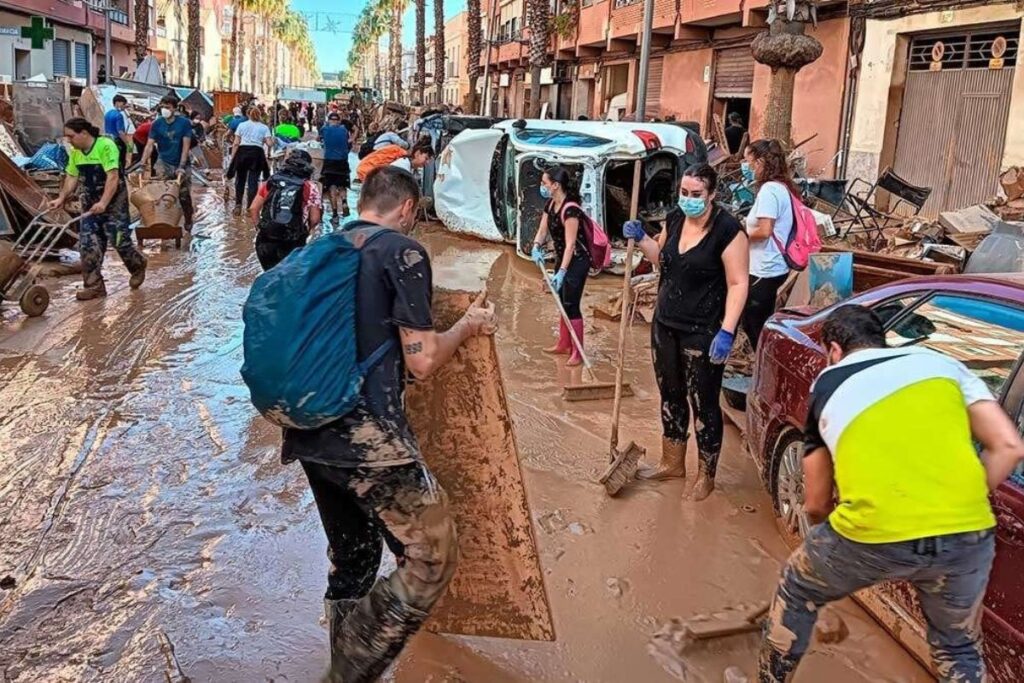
(634, 204)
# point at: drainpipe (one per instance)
(645, 62)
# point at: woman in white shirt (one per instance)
(769, 226)
(249, 157)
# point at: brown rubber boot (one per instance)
(672, 465)
(96, 291)
(703, 487)
(139, 276)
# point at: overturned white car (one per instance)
(487, 180)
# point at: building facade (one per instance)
(62, 39)
(456, 71)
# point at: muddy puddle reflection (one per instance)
(143, 505)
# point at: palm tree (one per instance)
(395, 48)
(194, 31)
(421, 48)
(538, 21)
(475, 44)
(786, 49)
(439, 49)
(141, 30)
(236, 15)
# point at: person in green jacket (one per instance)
(286, 131)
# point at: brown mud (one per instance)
(143, 506)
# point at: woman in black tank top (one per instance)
(703, 255)
(563, 221)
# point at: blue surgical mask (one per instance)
(693, 206)
(545, 192)
(747, 170)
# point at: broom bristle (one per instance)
(622, 469)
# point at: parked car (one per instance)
(487, 180)
(978, 320)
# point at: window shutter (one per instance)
(61, 58)
(82, 61)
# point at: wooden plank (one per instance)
(460, 417)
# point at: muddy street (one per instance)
(150, 532)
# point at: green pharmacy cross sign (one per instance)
(38, 32)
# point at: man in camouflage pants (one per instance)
(94, 162)
(366, 472)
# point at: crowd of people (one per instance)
(888, 501)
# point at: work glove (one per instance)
(538, 255)
(634, 230)
(557, 279)
(721, 346)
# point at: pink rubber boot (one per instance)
(564, 345)
(575, 359)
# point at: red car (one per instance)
(979, 321)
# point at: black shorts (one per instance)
(336, 173)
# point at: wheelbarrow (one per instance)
(21, 261)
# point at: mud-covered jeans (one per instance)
(949, 573)
(688, 379)
(360, 508)
(109, 228)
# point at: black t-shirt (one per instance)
(557, 230)
(734, 136)
(691, 294)
(394, 290)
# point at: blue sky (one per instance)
(334, 37)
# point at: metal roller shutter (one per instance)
(734, 72)
(82, 60)
(655, 70)
(61, 58)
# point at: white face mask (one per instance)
(165, 112)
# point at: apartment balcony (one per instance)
(593, 20)
(626, 21)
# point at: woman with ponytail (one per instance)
(562, 221)
(94, 163)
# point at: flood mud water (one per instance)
(143, 505)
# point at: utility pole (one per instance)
(645, 62)
(106, 41)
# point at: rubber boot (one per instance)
(672, 465)
(95, 291)
(335, 612)
(704, 485)
(564, 345)
(372, 636)
(576, 359)
(139, 276)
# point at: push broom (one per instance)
(623, 463)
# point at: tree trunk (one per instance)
(475, 45)
(141, 31)
(233, 55)
(395, 53)
(537, 19)
(778, 114)
(439, 64)
(534, 110)
(421, 49)
(253, 79)
(194, 30)
(786, 49)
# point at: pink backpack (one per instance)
(597, 238)
(803, 238)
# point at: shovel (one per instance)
(623, 463)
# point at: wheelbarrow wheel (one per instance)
(35, 301)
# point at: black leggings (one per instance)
(271, 252)
(571, 293)
(760, 305)
(688, 379)
(248, 167)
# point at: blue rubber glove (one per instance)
(557, 279)
(537, 255)
(634, 230)
(721, 346)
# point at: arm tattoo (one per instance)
(413, 348)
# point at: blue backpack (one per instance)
(299, 343)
